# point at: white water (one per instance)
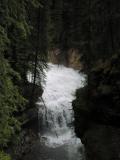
(57, 117)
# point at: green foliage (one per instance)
(21, 30)
(4, 156)
(10, 98)
(36, 3)
(10, 101)
(4, 41)
(19, 43)
(15, 48)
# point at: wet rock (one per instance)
(97, 111)
(102, 143)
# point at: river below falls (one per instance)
(56, 130)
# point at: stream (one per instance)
(56, 129)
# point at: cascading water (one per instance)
(55, 113)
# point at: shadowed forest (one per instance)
(77, 40)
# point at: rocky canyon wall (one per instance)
(70, 58)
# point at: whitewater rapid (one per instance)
(56, 128)
(56, 114)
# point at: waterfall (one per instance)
(56, 116)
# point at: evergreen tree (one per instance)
(18, 55)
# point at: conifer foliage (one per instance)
(21, 35)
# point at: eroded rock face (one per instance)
(54, 56)
(27, 139)
(74, 58)
(29, 124)
(71, 58)
(97, 111)
(102, 142)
